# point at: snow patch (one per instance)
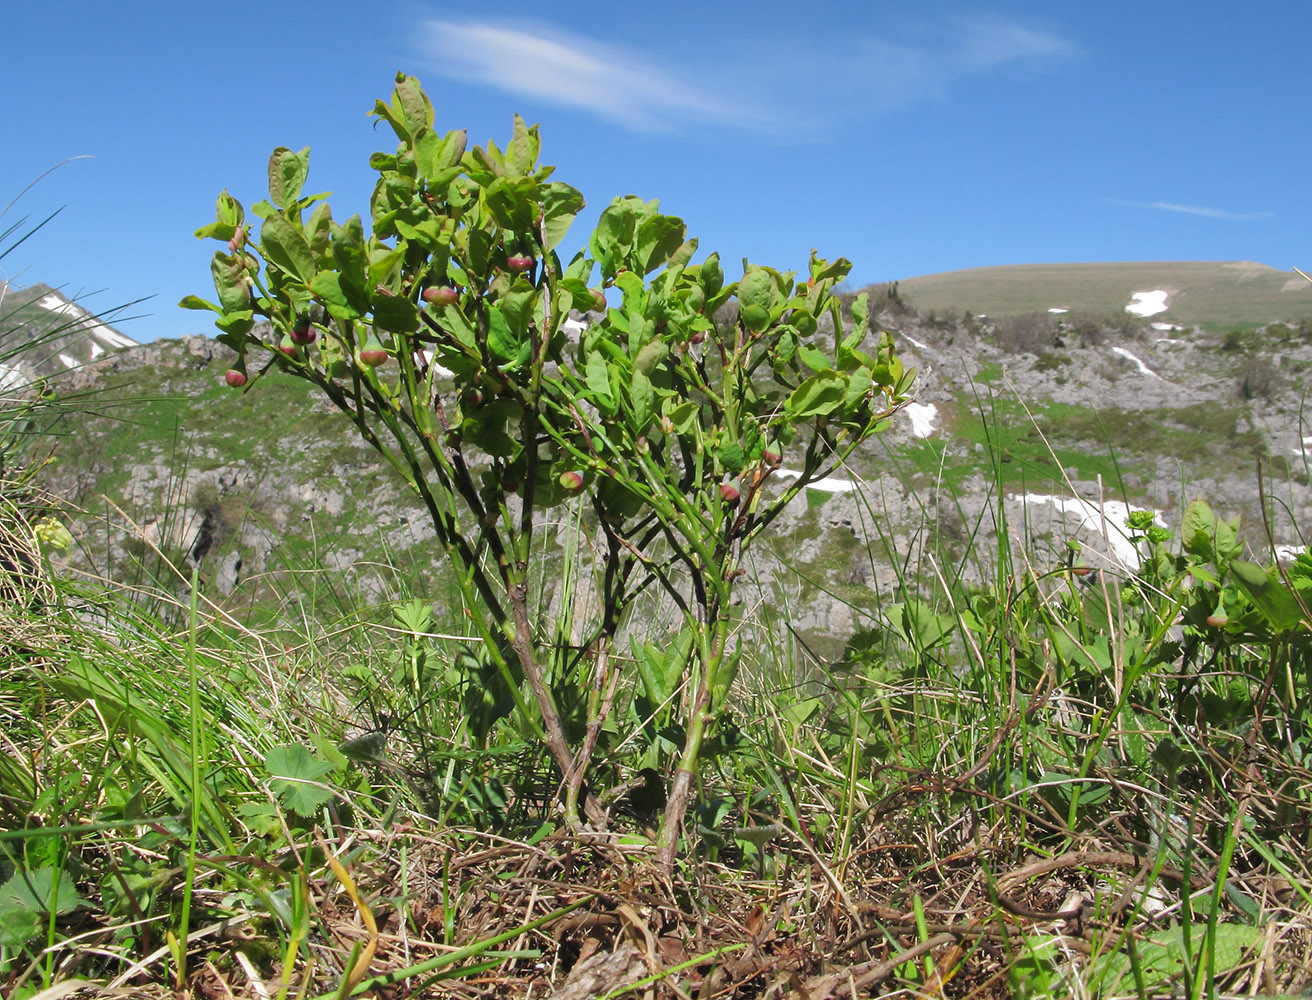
(827, 485)
(68, 361)
(12, 378)
(56, 303)
(1166, 327)
(1141, 366)
(1147, 303)
(96, 350)
(1288, 553)
(1058, 310)
(922, 417)
(436, 368)
(914, 342)
(1107, 521)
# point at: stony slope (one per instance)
(258, 487)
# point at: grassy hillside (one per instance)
(1205, 293)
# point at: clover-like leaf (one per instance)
(294, 775)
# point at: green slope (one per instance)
(1198, 292)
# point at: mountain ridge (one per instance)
(44, 333)
(1211, 294)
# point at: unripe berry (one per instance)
(519, 263)
(571, 482)
(441, 295)
(373, 353)
(235, 378)
(303, 333)
(729, 492)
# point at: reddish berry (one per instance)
(519, 263)
(303, 332)
(441, 295)
(235, 378)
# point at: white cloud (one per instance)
(779, 83)
(616, 84)
(1209, 213)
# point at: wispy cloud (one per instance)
(1208, 213)
(776, 82)
(614, 83)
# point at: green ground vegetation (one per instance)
(1222, 294)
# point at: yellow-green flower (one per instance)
(51, 534)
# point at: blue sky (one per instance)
(910, 138)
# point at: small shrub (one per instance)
(666, 416)
(1257, 380)
(1028, 333)
(1049, 361)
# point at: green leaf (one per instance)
(684, 417)
(817, 361)
(290, 768)
(822, 270)
(429, 234)
(821, 394)
(641, 396)
(236, 323)
(560, 203)
(712, 276)
(391, 312)
(1162, 956)
(799, 712)
(613, 237)
(350, 253)
(287, 173)
(32, 890)
(393, 118)
(1268, 594)
(19, 926)
(732, 457)
(757, 288)
(287, 248)
(1196, 529)
(230, 283)
(502, 341)
(597, 375)
(196, 302)
(651, 354)
(658, 238)
(428, 154)
(512, 201)
(522, 153)
(409, 99)
(343, 302)
(228, 215)
(319, 231)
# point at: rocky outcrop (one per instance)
(255, 488)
